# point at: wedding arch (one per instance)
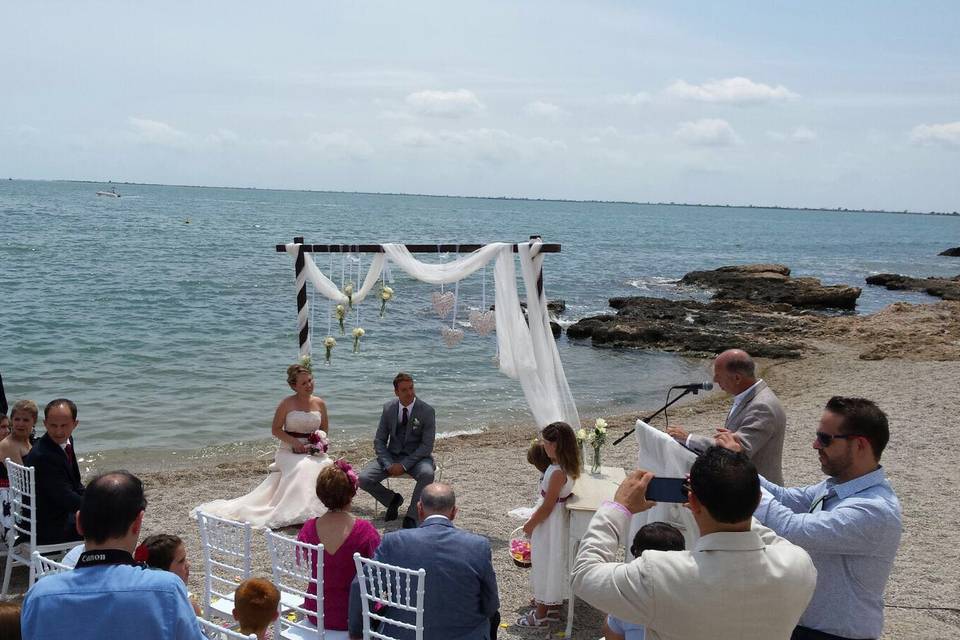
(526, 348)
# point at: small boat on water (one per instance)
(109, 194)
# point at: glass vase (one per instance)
(595, 467)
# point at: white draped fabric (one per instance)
(527, 350)
(662, 455)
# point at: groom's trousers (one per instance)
(373, 475)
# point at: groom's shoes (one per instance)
(393, 508)
(409, 523)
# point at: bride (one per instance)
(288, 495)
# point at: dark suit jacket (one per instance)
(59, 491)
(418, 442)
(460, 594)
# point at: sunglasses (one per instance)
(826, 439)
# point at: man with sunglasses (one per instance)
(850, 523)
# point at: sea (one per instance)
(170, 318)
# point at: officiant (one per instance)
(404, 445)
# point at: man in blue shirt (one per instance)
(109, 595)
(850, 523)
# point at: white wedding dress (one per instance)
(288, 495)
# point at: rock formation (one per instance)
(946, 288)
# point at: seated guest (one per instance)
(167, 552)
(656, 536)
(255, 606)
(850, 523)
(10, 620)
(460, 600)
(108, 594)
(738, 581)
(342, 534)
(4, 426)
(15, 446)
(59, 490)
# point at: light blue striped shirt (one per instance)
(852, 540)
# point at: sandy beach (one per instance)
(490, 474)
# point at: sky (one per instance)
(823, 104)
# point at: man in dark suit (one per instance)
(59, 490)
(460, 599)
(404, 445)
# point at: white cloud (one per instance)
(800, 135)
(341, 144)
(546, 110)
(597, 135)
(158, 133)
(945, 135)
(445, 104)
(737, 90)
(630, 99)
(708, 132)
(494, 146)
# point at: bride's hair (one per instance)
(293, 371)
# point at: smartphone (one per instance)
(667, 490)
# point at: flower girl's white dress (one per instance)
(548, 546)
(288, 495)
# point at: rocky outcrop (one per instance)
(946, 288)
(772, 284)
(953, 253)
(694, 328)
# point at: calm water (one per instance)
(176, 335)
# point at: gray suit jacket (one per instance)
(460, 590)
(761, 424)
(418, 442)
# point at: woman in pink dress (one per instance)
(342, 534)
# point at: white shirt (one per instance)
(738, 399)
(436, 515)
(408, 407)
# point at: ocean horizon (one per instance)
(170, 318)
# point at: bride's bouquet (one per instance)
(318, 443)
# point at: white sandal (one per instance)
(531, 620)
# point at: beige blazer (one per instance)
(749, 586)
(761, 424)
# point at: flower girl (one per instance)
(547, 527)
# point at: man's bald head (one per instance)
(734, 371)
(438, 499)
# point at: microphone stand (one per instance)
(656, 413)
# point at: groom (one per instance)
(404, 444)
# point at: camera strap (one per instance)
(106, 556)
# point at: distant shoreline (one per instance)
(517, 198)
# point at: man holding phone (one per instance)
(850, 523)
(674, 593)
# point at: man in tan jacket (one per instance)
(739, 581)
(756, 418)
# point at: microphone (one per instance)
(699, 386)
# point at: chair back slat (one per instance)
(291, 564)
(45, 566)
(23, 504)
(226, 557)
(392, 587)
(214, 631)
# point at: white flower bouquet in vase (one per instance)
(596, 437)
